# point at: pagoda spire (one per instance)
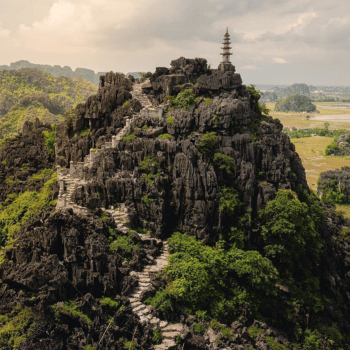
(226, 48)
(226, 65)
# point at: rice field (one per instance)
(336, 113)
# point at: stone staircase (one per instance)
(72, 177)
(168, 330)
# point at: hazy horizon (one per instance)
(283, 41)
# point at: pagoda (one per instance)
(226, 65)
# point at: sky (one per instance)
(273, 41)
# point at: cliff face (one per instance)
(205, 162)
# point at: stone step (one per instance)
(166, 345)
(173, 327)
(139, 308)
(135, 303)
(170, 335)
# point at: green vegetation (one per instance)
(198, 279)
(16, 327)
(198, 328)
(170, 119)
(293, 243)
(129, 138)
(256, 93)
(309, 132)
(70, 308)
(295, 103)
(275, 345)
(207, 101)
(225, 163)
(25, 207)
(145, 128)
(255, 331)
(226, 332)
(124, 244)
(148, 162)
(146, 200)
(157, 337)
(27, 94)
(184, 100)
(49, 138)
(126, 103)
(84, 132)
(42, 175)
(208, 142)
(333, 188)
(165, 136)
(108, 302)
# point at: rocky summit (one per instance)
(169, 213)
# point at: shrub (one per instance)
(49, 138)
(198, 328)
(108, 302)
(225, 163)
(15, 328)
(170, 119)
(129, 138)
(44, 173)
(126, 103)
(124, 243)
(25, 207)
(70, 308)
(146, 200)
(165, 136)
(148, 162)
(84, 132)
(145, 128)
(157, 337)
(184, 100)
(198, 279)
(207, 101)
(208, 142)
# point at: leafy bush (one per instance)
(290, 232)
(198, 279)
(125, 244)
(165, 136)
(225, 163)
(129, 138)
(84, 132)
(207, 101)
(15, 328)
(108, 302)
(198, 328)
(25, 207)
(208, 142)
(170, 119)
(49, 138)
(146, 200)
(145, 128)
(148, 162)
(157, 337)
(44, 173)
(126, 103)
(70, 308)
(184, 100)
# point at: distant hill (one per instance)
(30, 93)
(58, 71)
(295, 89)
(295, 103)
(269, 96)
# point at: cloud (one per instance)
(250, 66)
(279, 60)
(4, 33)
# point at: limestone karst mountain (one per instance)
(183, 221)
(29, 93)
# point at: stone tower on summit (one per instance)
(225, 65)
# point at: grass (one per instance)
(329, 111)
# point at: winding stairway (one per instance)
(70, 178)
